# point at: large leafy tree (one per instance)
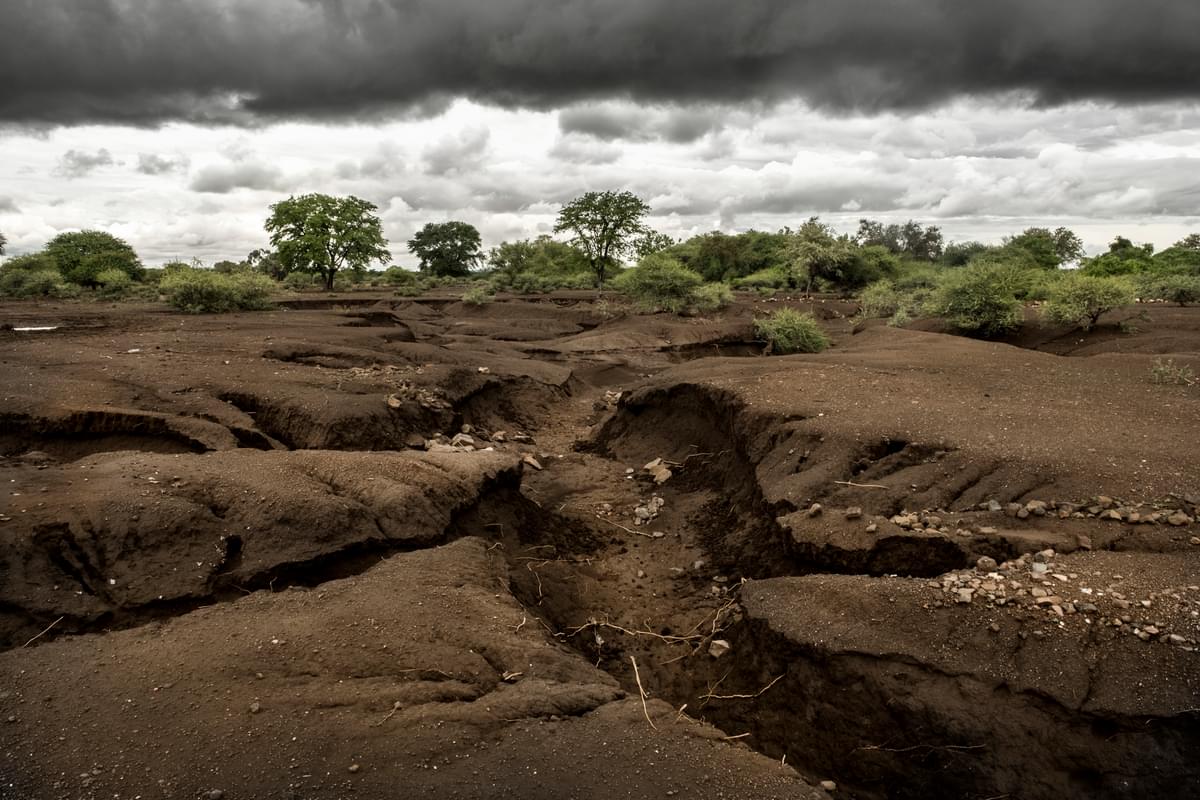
(447, 249)
(912, 239)
(3, 241)
(82, 255)
(324, 234)
(605, 226)
(1049, 248)
(540, 256)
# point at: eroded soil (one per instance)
(371, 547)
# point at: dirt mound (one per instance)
(119, 538)
(422, 672)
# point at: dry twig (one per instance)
(638, 677)
(43, 633)
(710, 696)
(861, 485)
(622, 527)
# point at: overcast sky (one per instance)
(176, 124)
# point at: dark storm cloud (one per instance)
(8, 205)
(78, 164)
(146, 61)
(612, 122)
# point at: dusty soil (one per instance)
(366, 546)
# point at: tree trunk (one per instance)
(329, 280)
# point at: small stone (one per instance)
(641, 573)
(1023, 513)
(986, 564)
(1111, 514)
(994, 627)
(1036, 507)
(964, 596)
(1176, 639)
(814, 510)
(988, 530)
(1037, 568)
(215, 794)
(719, 647)
(872, 528)
(994, 505)
(1084, 542)
(255, 707)
(1151, 629)
(355, 767)
(854, 512)
(1105, 502)
(531, 461)
(829, 786)
(1012, 509)
(1195, 540)
(1178, 519)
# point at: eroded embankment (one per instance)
(880, 682)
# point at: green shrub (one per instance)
(900, 318)
(1181, 289)
(342, 282)
(791, 331)
(35, 283)
(771, 278)
(880, 299)
(1038, 284)
(399, 276)
(113, 283)
(659, 283)
(1081, 299)
(1168, 372)
(202, 291)
(299, 281)
(979, 299)
(479, 294)
(712, 297)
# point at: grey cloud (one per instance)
(146, 61)
(154, 164)
(79, 164)
(456, 153)
(612, 121)
(8, 205)
(225, 178)
(577, 150)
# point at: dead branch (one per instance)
(738, 736)
(521, 624)
(622, 527)
(638, 677)
(43, 633)
(392, 713)
(861, 485)
(711, 696)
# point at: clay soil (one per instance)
(370, 546)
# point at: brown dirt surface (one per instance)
(364, 545)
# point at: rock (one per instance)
(484, 370)
(1036, 507)
(1023, 513)
(964, 596)
(255, 707)
(463, 440)
(987, 530)
(986, 564)
(1084, 542)
(854, 512)
(994, 505)
(814, 510)
(1112, 514)
(1105, 502)
(1195, 540)
(718, 648)
(355, 768)
(872, 528)
(1176, 639)
(661, 474)
(1037, 568)
(1012, 509)
(466, 429)
(829, 786)
(500, 436)
(392, 401)
(531, 461)
(215, 794)
(1178, 519)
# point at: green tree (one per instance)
(912, 239)
(605, 226)
(651, 242)
(82, 255)
(3, 241)
(542, 256)
(324, 234)
(1189, 242)
(1050, 249)
(447, 249)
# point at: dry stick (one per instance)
(861, 485)
(637, 676)
(521, 624)
(392, 713)
(711, 696)
(739, 736)
(47, 630)
(622, 527)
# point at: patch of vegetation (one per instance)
(479, 294)
(202, 291)
(113, 284)
(299, 281)
(712, 297)
(791, 331)
(660, 283)
(48, 283)
(1181, 289)
(1081, 299)
(980, 300)
(1168, 372)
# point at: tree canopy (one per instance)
(447, 249)
(3, 242)
(912, 239)
(605, 226)
(541, 256)
(1049, 249)
(324, 234)
(82, 255)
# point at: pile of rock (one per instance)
(645, 512)
(1035, 582)
(1099, 507)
